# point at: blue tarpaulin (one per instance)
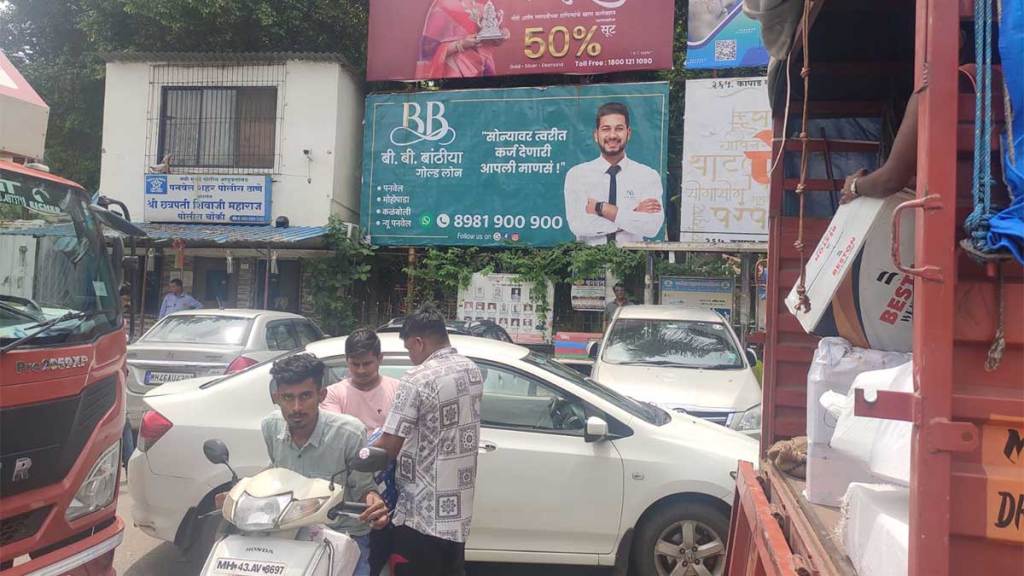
(1007, 227)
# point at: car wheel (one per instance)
(682, 539)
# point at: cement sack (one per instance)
(835, 365)
(882, 445)
(853, 288)
(830, 473)
(875, 529)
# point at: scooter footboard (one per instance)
(239, 555)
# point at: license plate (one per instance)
(246, 567)
(165, 377)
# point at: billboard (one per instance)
(508, 303)
(207, 199)
(517, 166)
(719, 35)
(433, 39)
(727, 155)
(715, 294)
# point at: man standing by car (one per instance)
(433, 430)
(612, 307)
(176, 299)
(366, 393)
(319, 444)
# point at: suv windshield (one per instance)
(52, 261)
(647, 412)
(679, 343)
(200, 328)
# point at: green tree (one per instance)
(59, 45)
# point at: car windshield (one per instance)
(200, 329)
(645, 411)
(678, 343)
(54, 262)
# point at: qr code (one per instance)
(725, 50)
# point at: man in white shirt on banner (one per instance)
(613, 198)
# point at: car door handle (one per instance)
(487, 447)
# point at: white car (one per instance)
(570, 472)
(208, 342)
(682, 359)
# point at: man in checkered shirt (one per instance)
(433, 430)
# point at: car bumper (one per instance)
(135, 407)
(159, 502)
(92, 556)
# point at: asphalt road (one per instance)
(140, 555)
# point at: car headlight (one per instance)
(744, 421)
(98, 489)
(299, 509)
(253, 514)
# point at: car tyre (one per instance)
(692, 534)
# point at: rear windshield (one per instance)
(200, 329)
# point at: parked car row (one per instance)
(613, 478)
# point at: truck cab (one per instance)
(62, 370)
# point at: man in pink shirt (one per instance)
(366, 393)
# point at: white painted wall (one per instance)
(320, 110)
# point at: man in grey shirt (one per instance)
(612, 307)
(319, 444)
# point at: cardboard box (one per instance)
(854, 289)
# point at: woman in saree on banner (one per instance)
(458, 39)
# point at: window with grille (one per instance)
(230, 127)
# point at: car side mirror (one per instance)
(597, 429)
(216, 451)
(751, 357)
(595, 350)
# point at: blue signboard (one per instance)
(207, 199)
(719, 35)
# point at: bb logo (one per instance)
(423, 125)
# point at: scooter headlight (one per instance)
(252, 514)
(299, 509)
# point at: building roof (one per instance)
(237, 235)
(227, 57)
(205, 235)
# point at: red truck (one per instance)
(62, 362)
(62, 357)
(967, 474)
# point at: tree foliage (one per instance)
(335, 276)
(59, 46)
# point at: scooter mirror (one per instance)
(216, 451)
(370, 459)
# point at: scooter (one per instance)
(266, 513)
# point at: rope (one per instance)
(803, 302)
(995, 351)
(977, 224)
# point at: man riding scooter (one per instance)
(319, 444)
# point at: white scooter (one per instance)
(267, 512)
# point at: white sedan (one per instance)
(570, 472)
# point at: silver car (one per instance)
(207, 342)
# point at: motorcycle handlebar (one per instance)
(346, 508)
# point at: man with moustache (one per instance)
(613, 198)
(317, 444)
